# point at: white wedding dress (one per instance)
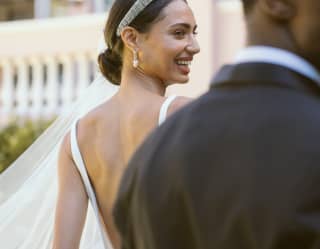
(28, 188)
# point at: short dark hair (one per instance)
(110, 61)
(247, 5)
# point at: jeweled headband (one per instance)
(133, 12)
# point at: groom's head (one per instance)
(289, 24)
(247, 5)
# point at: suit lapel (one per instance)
(265, 74)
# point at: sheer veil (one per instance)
(28, 188)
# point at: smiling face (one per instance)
(166, 51)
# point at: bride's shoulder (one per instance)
(178, 103)
(88, 125)
(97, 115)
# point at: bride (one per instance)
(150, 46)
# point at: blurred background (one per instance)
(48, 53)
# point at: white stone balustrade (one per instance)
(46, 64)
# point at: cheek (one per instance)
(306, 33)
(307, 27)
(159, 57)
(171, 52)
(313, 36)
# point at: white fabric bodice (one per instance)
(164, 109)
(77, 157)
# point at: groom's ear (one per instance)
(130, 38)
(278, 10)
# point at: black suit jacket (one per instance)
(239, 168)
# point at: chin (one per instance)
(177, 80)
(169, 83)
(182, 79)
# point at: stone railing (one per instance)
(46, 64)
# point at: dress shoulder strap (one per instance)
(164, 109)
(77, 157)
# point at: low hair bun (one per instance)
(110, 64)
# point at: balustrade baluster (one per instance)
(83, 77)
(67, 86)
(22, 90)
(94, 64)
(51, 93)
(37, 88)
(7, 90)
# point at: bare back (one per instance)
(107, 137)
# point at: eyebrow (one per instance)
(185, 25)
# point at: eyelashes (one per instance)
(182, 33)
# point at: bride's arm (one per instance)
(72, 202)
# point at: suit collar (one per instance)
(278, 57)
(262, 73)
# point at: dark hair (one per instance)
(247, 5)
(110, 61)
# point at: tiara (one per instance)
(133, 12)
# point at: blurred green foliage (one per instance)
(16, 137)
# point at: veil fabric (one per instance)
(28, 188)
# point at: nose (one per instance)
(193, 46)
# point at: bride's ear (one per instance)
(130, 37)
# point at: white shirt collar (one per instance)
(280, 57)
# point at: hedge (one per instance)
(16, 137)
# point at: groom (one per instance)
(239, 168)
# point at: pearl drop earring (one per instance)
(135, 61)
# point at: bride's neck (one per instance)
(137, 80)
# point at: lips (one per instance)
(184, 64)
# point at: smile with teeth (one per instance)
(184, 63)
